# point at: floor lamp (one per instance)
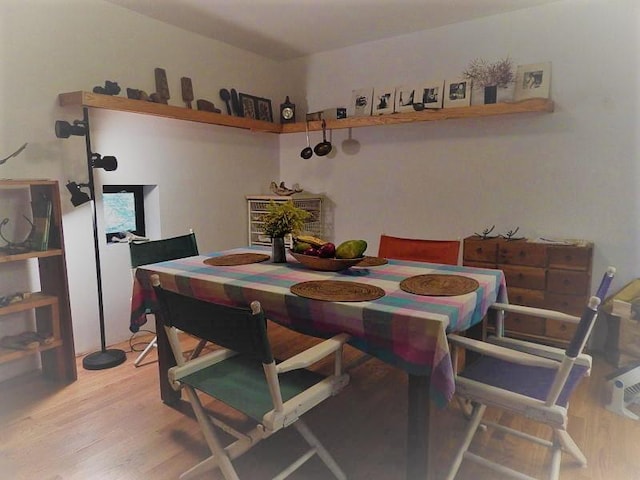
(104, 358)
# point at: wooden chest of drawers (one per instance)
(541, 275)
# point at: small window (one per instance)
(123, 209)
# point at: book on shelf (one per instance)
(41, 208)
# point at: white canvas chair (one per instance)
(244, 375)
(155, 251)
(528, 379)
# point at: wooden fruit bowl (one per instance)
(325, 264)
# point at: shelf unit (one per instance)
(95, 100)
(51, 303)
(257, 208)
(553, 276)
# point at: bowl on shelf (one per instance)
(325, 264)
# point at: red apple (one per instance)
(328, 250)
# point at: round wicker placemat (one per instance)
(337, 291)
(236, 259)
(438, 285)
(372, 262)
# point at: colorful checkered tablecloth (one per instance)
(403, 329)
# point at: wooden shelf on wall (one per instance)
(94, 100)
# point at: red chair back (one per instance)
(432, 251)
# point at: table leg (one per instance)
(165, 362)
(418, 427)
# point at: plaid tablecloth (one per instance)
(403, 329)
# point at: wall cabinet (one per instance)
(51, 304)
(540, 275)
(257, 208)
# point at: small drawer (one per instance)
(571, 304)
(570, 258)
(478, 250)
(524, 277)
(523, 296)
(568, 282)
(524, 324)
(521, 252)
(560, 330)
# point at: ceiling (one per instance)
(286, 29)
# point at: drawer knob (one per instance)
(568, 258)
(479, 250)
(520, 276)
(522, 254)
(566, 281)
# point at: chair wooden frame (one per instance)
(551, 409)
(284, 411)
(154, 251)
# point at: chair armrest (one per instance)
(312, 355)
(179, 371)
(536, 312)
(502, 353)
(554, 353)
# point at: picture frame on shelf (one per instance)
(256, 108)
(457, 93)
(430, 94)
(383, 100)
(360, 105)
(533, 81)
(405, 98)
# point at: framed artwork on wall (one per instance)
(533, 81)
(457, 93)
(383, 100)
(360, 105)
(256, 107)
(430, 94)
(405, 98)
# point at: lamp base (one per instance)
(104, 359)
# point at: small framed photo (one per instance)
(405, 98)
(457, 93)
(256, 107)
(430, 94)
(533, 81)
(361, 102)
(383, 100)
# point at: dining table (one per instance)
(405, 327)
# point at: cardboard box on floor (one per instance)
(624, 309)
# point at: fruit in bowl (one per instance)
(318, 254)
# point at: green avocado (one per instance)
(351, 249)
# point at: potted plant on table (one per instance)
(490, 76)
(282, 218)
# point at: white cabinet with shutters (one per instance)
(257, 208)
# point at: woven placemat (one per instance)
(438, 285)
(337, 291)
(372, 262)
(236, 259)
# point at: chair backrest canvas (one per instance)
(166, 249)
(432, 251)
(235, 328)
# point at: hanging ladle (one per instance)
(307, 152)
(324, 147)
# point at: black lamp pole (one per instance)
(104, 358)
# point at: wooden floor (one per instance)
(111, 425)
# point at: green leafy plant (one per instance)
(283, 218)
(485, 74)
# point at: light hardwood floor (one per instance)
(111, 425)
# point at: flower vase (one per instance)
(490, 94)
(278, 254)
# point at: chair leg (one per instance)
(570, 446)
(476, 417)
(152, 344)
(324, 455)
(220, 457)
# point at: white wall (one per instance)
(203, 172)
(571, 174)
